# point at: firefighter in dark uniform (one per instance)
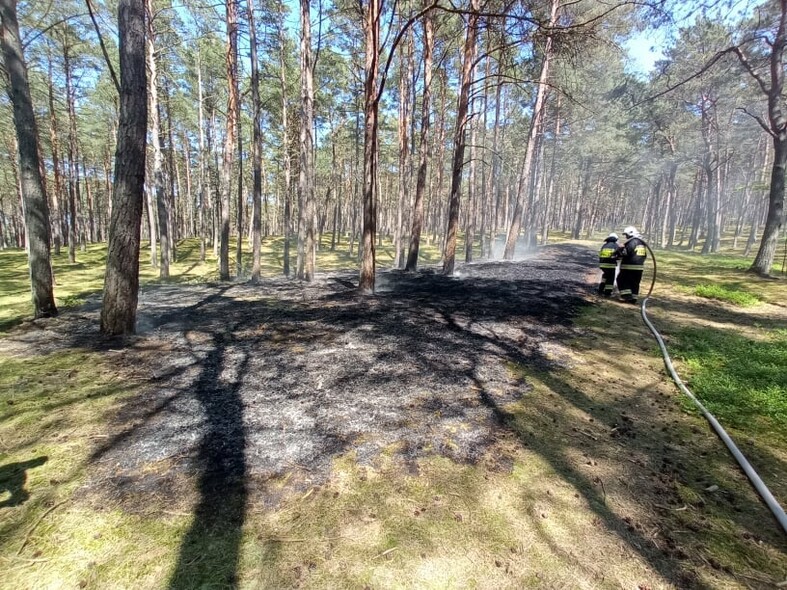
(608, 263)
(632, 262)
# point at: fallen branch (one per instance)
(33, 528)
(299, 540)
(27, 560)
(684, 507)
(386, 552)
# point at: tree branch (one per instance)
(745, 63)
(103, 47)
(759, 120)
(697, 74)
(410, 22)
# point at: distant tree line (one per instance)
(486, 124)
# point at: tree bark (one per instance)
(231, 59)
(778, 130)
(36, 207)
(370, 141)
(73, 155)
(57, 222)
(202, 181)
(121, 282)
(155, 140)
(535, 131)
(404, 148)
(460, 138)
(306, 248)
(285, 143)
(420, 187)
(256, 147)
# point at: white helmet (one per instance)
(630, 231)
(612, 236)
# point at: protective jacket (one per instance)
(632, 254)
(608, 255)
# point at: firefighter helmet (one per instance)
(630, 231)
(613, 236)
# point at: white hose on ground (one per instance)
(758, 484)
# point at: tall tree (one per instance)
(420, 187)
(36, 207)
(460, 137)
(154, 113)
(121, 281)
(306, 245)
(772, 86)
(256, 145)
(229, 138)
(285, 141)
(372, 16)
(525, 178)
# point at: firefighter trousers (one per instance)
(607, 282)
(628, 283)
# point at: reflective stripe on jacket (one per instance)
(608, 255)
(632, 254)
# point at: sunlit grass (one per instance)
(54, 409)
(741, 381)
(722, 293)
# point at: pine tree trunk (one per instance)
(306, 197)
(240, 207)
(91, 205)
(770, 236)
(173, 217)
(420, 187)
(203, 190)
(472, 200)
(36, 207)
(404, 150)
(460, 132)
(256, 148)
(370, 144)
(121, 282)
(285, 151)
(231, 57)
(73, 167)
(155, 138)
(57, 221)
(525, 178)
(778, 128)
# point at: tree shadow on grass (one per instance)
(304, 378)
(210, 549)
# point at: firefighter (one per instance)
(608, 263)
(632, 262)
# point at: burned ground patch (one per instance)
(256, 382)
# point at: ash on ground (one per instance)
(253, 382)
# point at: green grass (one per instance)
(718, 276)
(721, 293)
(742, 381)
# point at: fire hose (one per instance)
(754, 478)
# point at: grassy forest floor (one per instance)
(500, 429)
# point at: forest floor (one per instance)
(502, 428)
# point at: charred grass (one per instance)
(590, 472)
